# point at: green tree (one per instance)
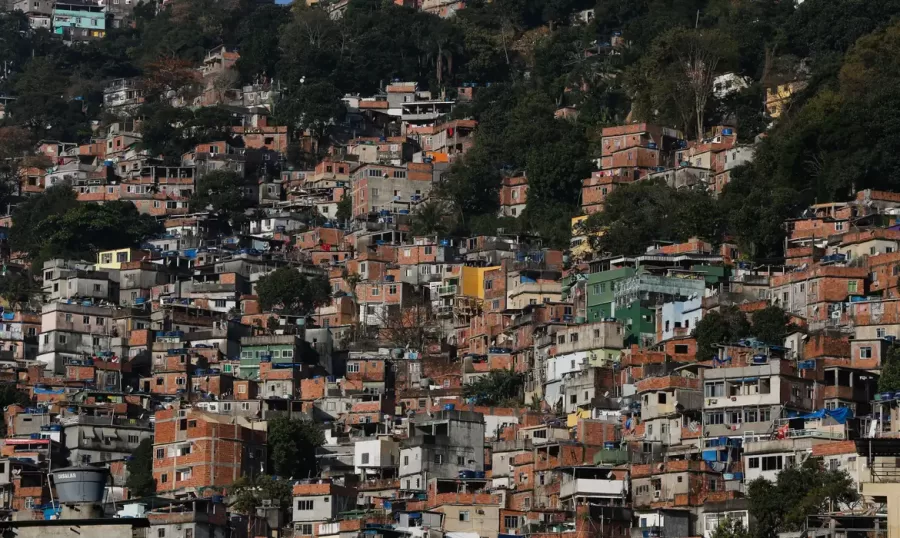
(222, 191)
(771, 324)
(344, 208)
(638, 214)
(292, 446)
(44, 104)
(889, 380)
(726, 325)
(11, 395)
(433, 217)
(140, 481)
(85, 229)
(798, 491)
(259, 46)
(26, 217)
(673, 82)
(170, 132)
(731, 528)
(287, 291)
(474, 184)
(496, 388)
(18, 289)
(249, 493)
(312, 105)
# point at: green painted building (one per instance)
(279, 349)
(601, 292)
(638, 318)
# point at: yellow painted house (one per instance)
(473, 280)
(113, 259)
(778, 97)
(580, 244)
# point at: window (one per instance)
(242, 389)
(865, 352)
(573, 337)
(715, 417)
(160, 453)
(161, 532)
(661, 398)
(406, 462)
(464, 515)
(305, 528)
(164, 478)
(133, 439)
(220, 303)
(879, 333)
(353, 367)
(460, 460)
(771, 463)
(365, 458)
(715, 390)
(753, 463)
(511, 522)
(304, 505)
(439, 458)
(851, 286)
(188, 533)
(681, 349)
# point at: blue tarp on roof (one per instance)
(841, 414)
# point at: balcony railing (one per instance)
(447, 290)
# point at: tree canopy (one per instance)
(140, 481)
(287, 291)
(723, 326)
(498, 387)
(292, 445)
(54, 224)
(798, 491)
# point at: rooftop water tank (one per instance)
(80, 484)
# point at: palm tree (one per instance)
(432, 217)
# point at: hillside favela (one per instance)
(450, 269)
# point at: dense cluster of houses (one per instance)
(618, 429)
